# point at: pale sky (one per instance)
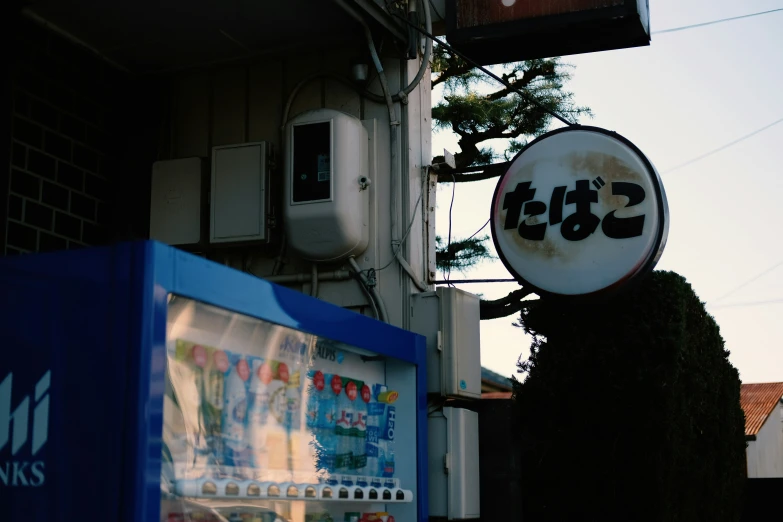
(688, 93)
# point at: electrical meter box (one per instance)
(449, 319)
(327, 185)
(240, 193)
(175, 201)
(453, 453)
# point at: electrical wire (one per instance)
(366, 291)
(376, 300)
(479, 230)
(453, 282)
(749, 281)
(489, 73)
(410, 226)
(448, 274)
(695, 26)
(723, 147)
(423, 65)
(394, 123)
(448, 245)
(743, 305)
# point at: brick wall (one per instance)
(72, 125)
(59, 192)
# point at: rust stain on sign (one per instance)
(477, 13)
(590, 165)
(545, 248)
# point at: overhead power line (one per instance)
(749, 281)
(695, 26)
(743, 305)
(452, 282)
(723, 147)
(505, 83)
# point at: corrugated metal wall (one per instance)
(245, 103)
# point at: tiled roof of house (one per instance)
(758, 401)
(499, 381)
(496, 395)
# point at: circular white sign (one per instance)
(579, 211)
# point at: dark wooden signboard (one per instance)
(500, 31)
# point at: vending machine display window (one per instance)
(267, 422)
(147, 384)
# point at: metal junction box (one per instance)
(175, 201)
(449, 319)
(327, 197)
(240, 193)
(454, 464)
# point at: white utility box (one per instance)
(175, 201)
(453, 457)
(327, 184)
(460, 321)
(240, 193)
(450, 320)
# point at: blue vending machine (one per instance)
(139, 383)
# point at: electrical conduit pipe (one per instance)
(396, 168)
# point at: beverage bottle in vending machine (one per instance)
(388, 424)
(360, 432)
(343, 428)
(326, 424)
(315, 393)
(316, 409)
(198, 357)
(258, 415)
(293, 421)
(293, 402)
(375, 411)
(387, 442)
(276, 433)
(212, 405)
(235, 413)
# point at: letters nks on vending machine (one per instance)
(144, 384)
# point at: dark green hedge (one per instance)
(630, 410)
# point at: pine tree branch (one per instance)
(451, 72)
(451, 66)
(504, 306)
(469, 153)
(542, 70)
(476, 173)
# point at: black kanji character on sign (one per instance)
(624, 228)
(519, 201)
(556, 205)
(513, 202)
(581, 223)
(533, 232)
